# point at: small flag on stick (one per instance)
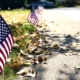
(39, 11)
(6, 42)
(32, 17)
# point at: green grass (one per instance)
(9, 74)
(15, 16)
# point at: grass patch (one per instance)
(9, 74)
(15, 16)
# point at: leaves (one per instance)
(22, 72)
(30, 73)
(27, 63)
(55, 46)
(78, 67)
(40, 59)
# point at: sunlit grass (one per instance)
(14, 16)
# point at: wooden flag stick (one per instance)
(3, 74)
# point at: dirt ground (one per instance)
(64, 31)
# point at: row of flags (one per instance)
(33, 16)
(6, 38)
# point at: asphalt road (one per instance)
(64, 19)
(61, 65)
(70, 12)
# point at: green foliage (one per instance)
(26, 27)
(66, 3)
(4, 4)
(20, 31)
(8, 72)
(69, 3)
(55, 2)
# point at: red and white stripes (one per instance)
(5, 48)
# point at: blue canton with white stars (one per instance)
(4, 29)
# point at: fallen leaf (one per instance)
(45, 59)
(32, 74)
(8, 60)
(22, 51)
(30, 57)
(40, 59)
(15, 45)
(22, 71)
(54, 30)
(55, 46)
(27, 63)
(78, 67)
(35, 61)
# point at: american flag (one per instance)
(32, 17)
(39, 11)
(6, 42)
